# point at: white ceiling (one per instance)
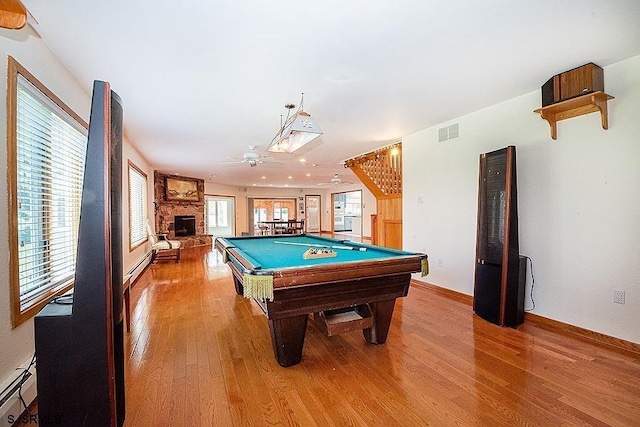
(203, 80)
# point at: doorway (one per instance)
(219, 216)
(261, 211)
(312, 213)
(347, 213)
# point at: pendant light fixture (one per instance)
(296, 131)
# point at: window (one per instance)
(219, 215)
(46, 145)
(259, 215)
(137, 207)
(280, 213)
(276, 211)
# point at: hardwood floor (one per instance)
(199, 355)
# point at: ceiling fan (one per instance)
(335, 180)
(252, 158)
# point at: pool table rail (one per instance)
(354, 270)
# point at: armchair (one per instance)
(163, 249)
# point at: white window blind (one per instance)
(137, 206)
(50, 154)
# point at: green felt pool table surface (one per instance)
(277, 252)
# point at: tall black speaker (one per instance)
(498, 289)
(117, 273)
(79, 346)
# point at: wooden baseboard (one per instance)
(542, 322)
(451, 294)
(597, 337)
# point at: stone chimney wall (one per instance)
(165, 210)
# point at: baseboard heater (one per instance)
(137, 269)
(11, 407)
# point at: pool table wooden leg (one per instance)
(239, 286)
(287, 337)
(382, 312)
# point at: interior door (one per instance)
(353, 213)
(312, 214)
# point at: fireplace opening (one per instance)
(184, 225)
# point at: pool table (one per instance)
(272, 271)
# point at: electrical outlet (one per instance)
(618, 296)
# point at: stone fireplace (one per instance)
(184, 225)
(170, 214)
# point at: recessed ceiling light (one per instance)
(303, 160)
(314, 165)
(289, 177)
(286, 185)
(307, 174)
(263, 177)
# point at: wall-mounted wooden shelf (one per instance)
(13, 14)
(584, 104)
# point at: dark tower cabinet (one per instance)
(79, 346)
(498, 294)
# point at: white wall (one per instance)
(579, 203)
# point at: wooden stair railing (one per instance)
(380, 171)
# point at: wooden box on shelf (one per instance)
(582, 80)
(574, 93)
